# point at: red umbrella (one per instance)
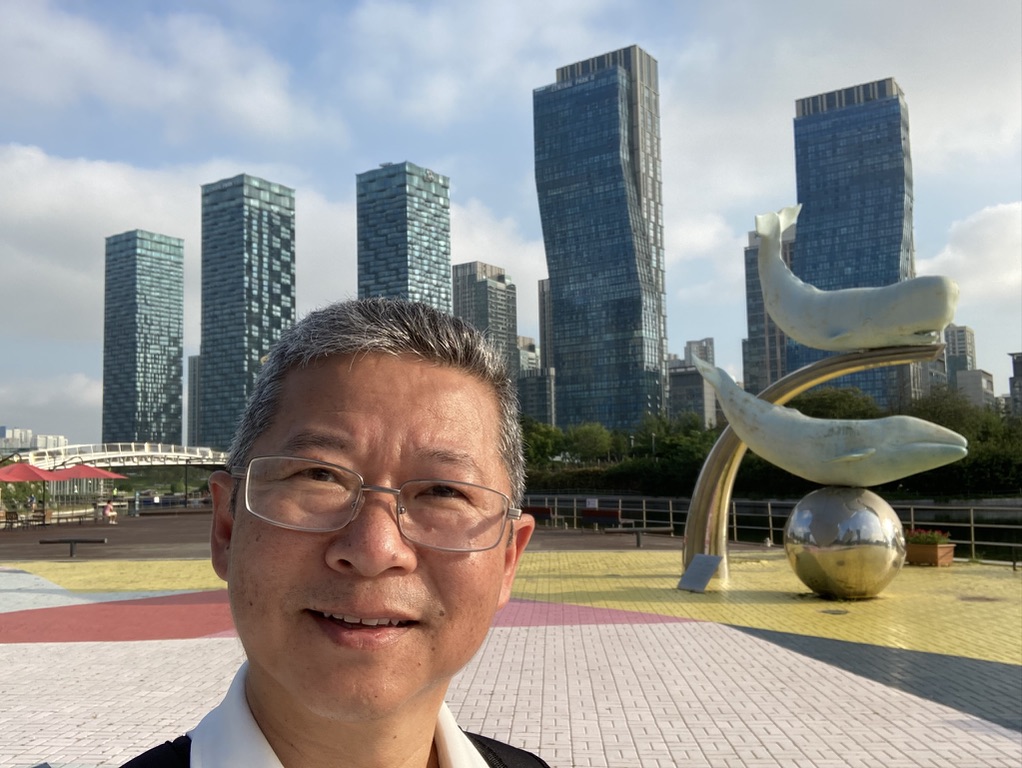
(86, 472)
(21, 472)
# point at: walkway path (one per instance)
(598, 661)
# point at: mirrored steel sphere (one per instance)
(844, 542)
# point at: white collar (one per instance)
(229, 735)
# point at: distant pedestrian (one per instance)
(109, 513)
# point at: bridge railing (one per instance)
(124, 454)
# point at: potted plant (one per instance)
(928, 547)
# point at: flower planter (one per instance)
(929, 554)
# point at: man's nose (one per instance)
(372, 542)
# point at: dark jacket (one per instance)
(497, 754)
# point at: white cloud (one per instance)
(326, 251)
(183, 70)
(983, 255)
(65, 404)
(449, 62)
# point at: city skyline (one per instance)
(117, 114)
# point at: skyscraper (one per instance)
(404, 234)
(854, 178)
(143, 332)
(764, 350)
(959, 351)
(1015, 384)
(701, 348)
(248, 294)
(597, 155)
(546, 324)
(485, 297)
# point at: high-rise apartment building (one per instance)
(404, 234)
(701, 348)
(691, 393)
(977, 386)
(764, 350)
(193, 417)
(546, 324)
(854, 179)
(485, 297)
(248, 294)
(959, 351)
(528, 354)
(143, 338)
(597, 162)
(1015, 384)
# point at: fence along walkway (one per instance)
(982, 531)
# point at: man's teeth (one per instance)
(365, 622)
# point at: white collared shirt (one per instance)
(229, 736)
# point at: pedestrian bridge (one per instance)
(126, 455)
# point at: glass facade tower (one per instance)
(248, 295)
(764, 350)
(485, 297)
(143, 332)
(854, 177)
(598, 179)
(404, 234)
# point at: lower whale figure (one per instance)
(911, 312)
(834, 451)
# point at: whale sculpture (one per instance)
(834, 451)
(911, 312)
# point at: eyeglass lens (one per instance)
(310, 495)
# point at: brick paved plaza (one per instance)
(598, 661)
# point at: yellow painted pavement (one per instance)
(968, 610)
(125, 575)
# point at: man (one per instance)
(367, 530)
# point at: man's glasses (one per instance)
(309, 495)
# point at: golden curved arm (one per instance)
(706, 524)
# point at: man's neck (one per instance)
(303, 740)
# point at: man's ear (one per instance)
(221, 487)
(520, 535)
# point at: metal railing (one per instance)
(981, 531)
(125, 454)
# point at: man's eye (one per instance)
(315, 474)
(443, 492)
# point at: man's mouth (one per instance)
(358, 621)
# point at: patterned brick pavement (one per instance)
(598, 661)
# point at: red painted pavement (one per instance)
(207, 614)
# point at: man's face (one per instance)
(391, 420)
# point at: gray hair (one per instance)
(391, 327)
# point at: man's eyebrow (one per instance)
(456, 459)
(305, 440)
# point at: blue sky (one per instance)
(115, 113)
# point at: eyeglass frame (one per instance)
(240, 473)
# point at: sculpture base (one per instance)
(844, 543)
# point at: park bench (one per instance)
(74, 541)
(629, 526)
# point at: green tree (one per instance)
(589, 442)
(835, 403)
(542, 442)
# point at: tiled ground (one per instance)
(599, 661)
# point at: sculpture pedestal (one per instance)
(844, 543)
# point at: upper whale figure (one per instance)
(912, 312)
(857, 453)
